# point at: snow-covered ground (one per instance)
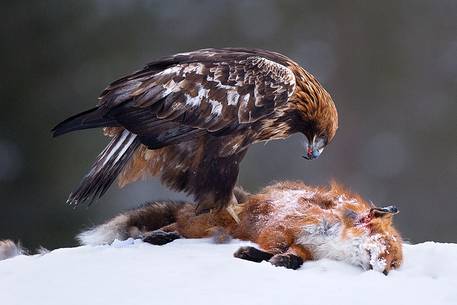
(200, 272)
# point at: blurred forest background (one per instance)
(391, 67)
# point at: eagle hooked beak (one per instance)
(314, 148)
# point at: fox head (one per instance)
(381, 244)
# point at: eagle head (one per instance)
(314, 147)
(319, 122)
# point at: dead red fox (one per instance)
(290, 221)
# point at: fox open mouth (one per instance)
(378, 213)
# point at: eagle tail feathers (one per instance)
(91, 118)
(106, 168)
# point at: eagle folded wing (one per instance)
(203, 91)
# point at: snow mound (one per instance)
(201, 272)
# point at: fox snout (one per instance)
(391, 209)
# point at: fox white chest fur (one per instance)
(327, 240)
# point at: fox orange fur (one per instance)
(290, 221)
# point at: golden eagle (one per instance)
(189, 118)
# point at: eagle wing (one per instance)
(207, 91)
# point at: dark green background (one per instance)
(391, 67)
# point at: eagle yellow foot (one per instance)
(234, 209)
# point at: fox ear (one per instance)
(382, 212)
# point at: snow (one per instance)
(201, 272)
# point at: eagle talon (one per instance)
(234, 209)
(233, 213)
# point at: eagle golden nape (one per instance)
(190, 118)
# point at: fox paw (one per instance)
(289, 261)
(160, 237)
(252, 254)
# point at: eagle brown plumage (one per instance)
(189, 118)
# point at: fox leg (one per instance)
(300, 251)
(253, 254)
(170, 228)
(287, 260)
(286, 253)
(160, 237)
(293, 258)
(219, 235)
